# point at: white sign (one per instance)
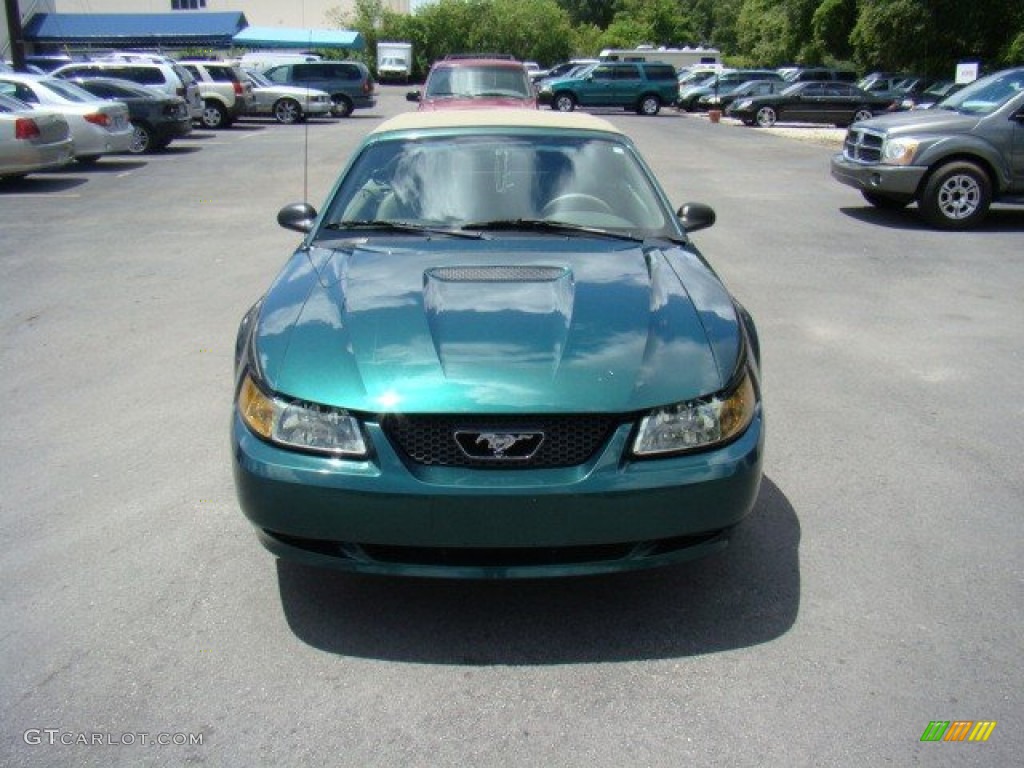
(966, 72)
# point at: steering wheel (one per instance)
(576, 201)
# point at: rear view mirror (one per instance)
(694, 216)
(297, 216)
(412, 96)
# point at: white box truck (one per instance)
(394, 62)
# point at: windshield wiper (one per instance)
(404, 226)
(547, 225)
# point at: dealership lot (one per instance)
(876, 588)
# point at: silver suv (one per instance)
(226, 91)
(349, 82)
(165, 77)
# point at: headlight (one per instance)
(546, 88)
(745, 104)
(899, 151)
(307, 426)
(697, 424)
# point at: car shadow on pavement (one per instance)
(749, 594)
(41, 184)
(998, 219)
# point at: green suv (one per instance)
(638, 85)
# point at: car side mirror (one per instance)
(694, 216)
(412, 96)
(297, 216)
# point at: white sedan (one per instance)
(287, 103)
(98, 126)
(31, 139)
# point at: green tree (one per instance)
(831, 25)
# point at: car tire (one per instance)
(563, 102)
(956, 196)
(142, 139)
(214, 115)
(766, 117)
(884, 202)
(649, 106)
(862, 114)
(287, 111)
(341, 105)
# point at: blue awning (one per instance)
(294, 37)
(135, 29)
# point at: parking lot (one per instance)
(876, 588)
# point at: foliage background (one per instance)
(924, 36)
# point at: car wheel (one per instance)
(884, 202)
(649, 106)
(142, 139)
(765, 117)
(564, 102)
(956, 196)
(287, 111)
(862, 114)
(342, 106)
(214, 115)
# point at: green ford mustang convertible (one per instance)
(496, 354)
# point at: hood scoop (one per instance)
(513, 316)
(499, 274)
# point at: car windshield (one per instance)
(11, 104)
(479, 81)
(68, 91)
(497, 178)
(987, 94)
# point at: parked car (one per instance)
(641, 86)
(225, 91)
(832, 103)
(286, 103)
(31, 139)
(720, 82)
(561, 69)
(735, 92)
(98, 126)
(497, 353)
(930, 95)
(348, 82)
(156, 120)
(155, 73)
(953, 160)
(475, 83)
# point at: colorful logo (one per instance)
(958, 730)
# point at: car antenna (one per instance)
(305, 151)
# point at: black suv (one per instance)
(349, 82)
(636, 85)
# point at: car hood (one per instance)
(449, 327)
(922, 121)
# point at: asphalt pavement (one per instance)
(876, 588)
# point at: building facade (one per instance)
(259, 13)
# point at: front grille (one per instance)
(862, 146)
(430, 440)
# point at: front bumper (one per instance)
(893, 180)
(387, 516)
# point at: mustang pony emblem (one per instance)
(499, 445)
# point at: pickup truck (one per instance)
(954, 159)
